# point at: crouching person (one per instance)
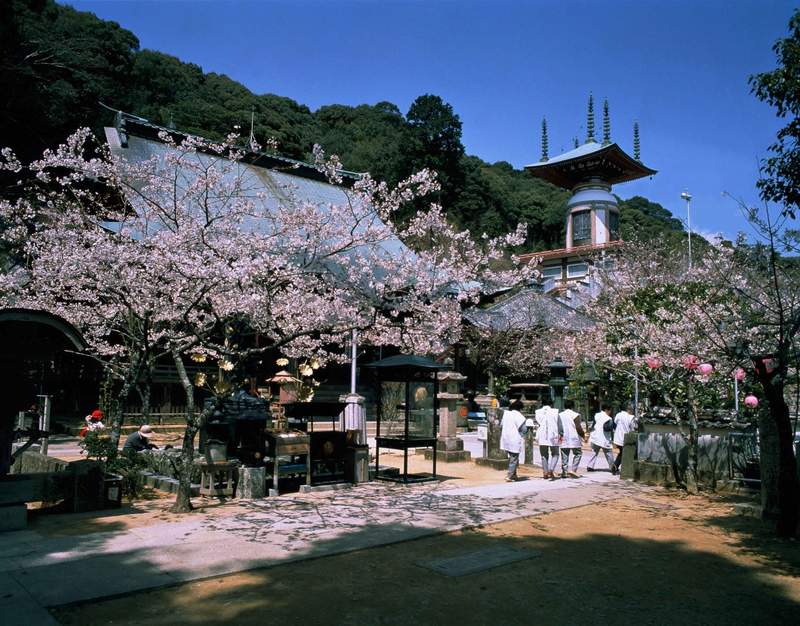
(140, 440)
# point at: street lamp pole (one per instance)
(688, 197)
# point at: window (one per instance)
(581, 227)
(613, 225)
(576, 270)
(551, 273)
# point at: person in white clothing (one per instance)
(598, 439)
(571, 439)
(513, 429)
(624, 422)
(548, 435)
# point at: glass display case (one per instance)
(407, 411)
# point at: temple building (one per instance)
(592, 215)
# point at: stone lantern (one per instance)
(449, 448)
(557, 382)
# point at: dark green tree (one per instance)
(643, 220)
(780, 88)
(56, 63)
(367, 138)
(435, 143)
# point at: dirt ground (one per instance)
(651, 559)
(154, 507)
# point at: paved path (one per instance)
(37, 571)
(475, 447)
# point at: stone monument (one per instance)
(495, 457)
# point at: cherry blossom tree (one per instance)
(177, 254)
(647, 329)
(688, 333)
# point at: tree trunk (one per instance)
(144, 395)
(692, 478)
(116, 412)
(183, 501)
(780, 491)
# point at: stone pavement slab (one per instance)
(18, 607)
(478, 560)
(261, 533)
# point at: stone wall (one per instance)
(77, 485)
(163, 462)
(30, 462)
(662, 458)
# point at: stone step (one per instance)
(165, 483)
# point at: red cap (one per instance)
(97, 415)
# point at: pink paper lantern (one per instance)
(690, 362)
(751, 401)
(739, 374)
(653, 362)
(705, 368)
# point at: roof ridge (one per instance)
(123, 117)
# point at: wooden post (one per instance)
(44, 424)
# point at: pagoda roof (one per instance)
(610, 163)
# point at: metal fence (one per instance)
(744, 457)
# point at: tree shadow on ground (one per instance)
(757, 538)
(600, 575)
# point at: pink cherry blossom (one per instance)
(705, 368)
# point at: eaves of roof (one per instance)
(582, 251)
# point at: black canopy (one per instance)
(405, 364)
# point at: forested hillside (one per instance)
(56, 64)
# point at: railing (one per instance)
(177, 415)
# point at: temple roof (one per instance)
(526, 309)
(609, 163)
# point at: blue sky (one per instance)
(678, 67)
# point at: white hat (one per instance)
(145, 431)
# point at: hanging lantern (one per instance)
(751, 401)
(739, 374)
(653, 362)
(705, 368)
